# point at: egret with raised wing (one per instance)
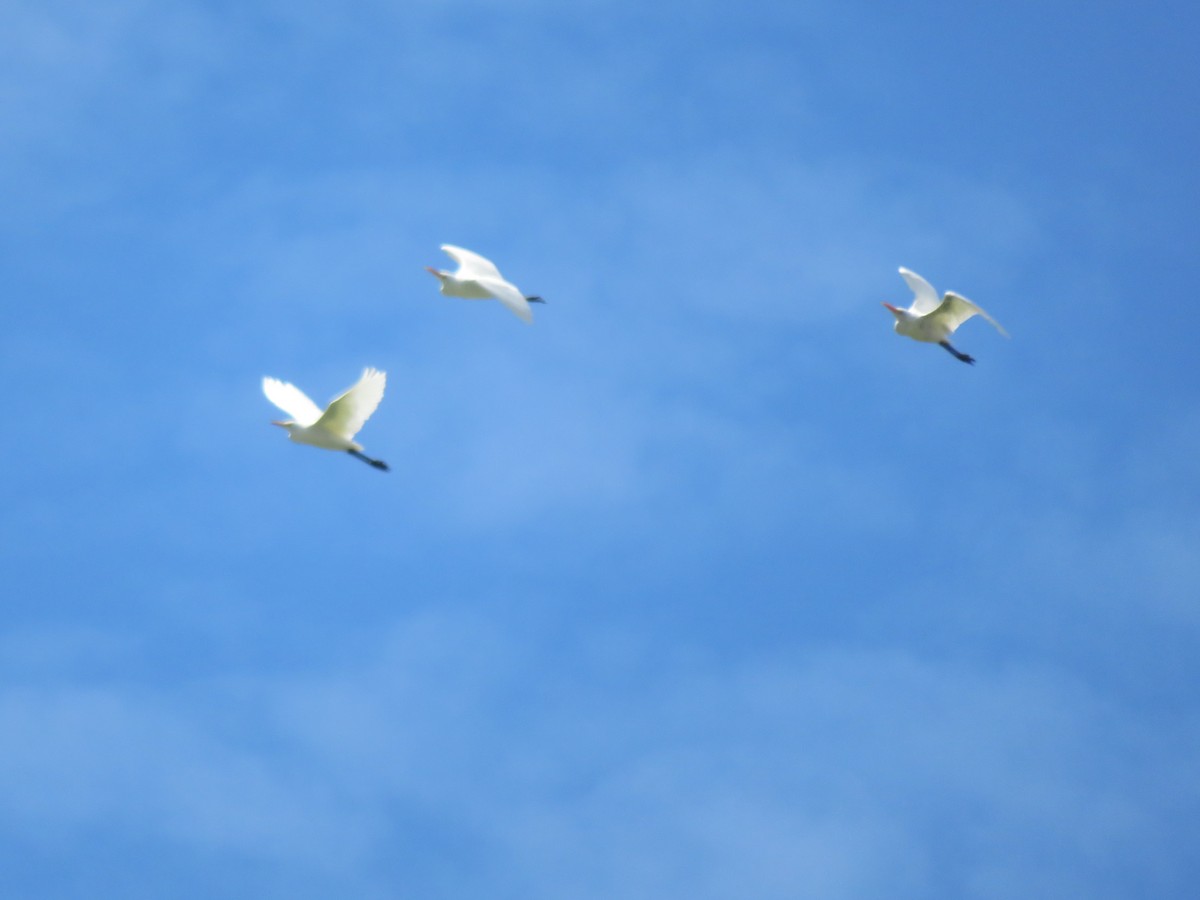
(478, 279)
(932, 320)
(335, 428)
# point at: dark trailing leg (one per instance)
(377, 463)
(969, 360)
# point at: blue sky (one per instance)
(707, 584)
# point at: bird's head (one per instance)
(900, 314)
(439, 275)
(287, 423)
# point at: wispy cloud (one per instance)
(704, 584)
(841, 770)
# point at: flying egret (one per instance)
(933, 321)
(333, 429)
(479, 279)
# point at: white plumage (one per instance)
(342, 419)
(478, 278)
(931, 320)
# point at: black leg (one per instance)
(377, 463)
(969, 360)
(534, 299)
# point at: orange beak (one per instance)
(892, 308)
(280, 424)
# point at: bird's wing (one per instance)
(470, 265)
(509, 295)
(291, 400)
(956, 309)
(346, 414)
(925, 298)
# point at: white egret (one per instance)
(333, 429)
(479, 279)
(933, 321)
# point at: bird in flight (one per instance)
(933, 321)
(478, 279)
(333, 429)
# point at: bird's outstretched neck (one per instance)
(969, 360)
(377, 463)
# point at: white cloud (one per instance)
(829, 769)
(708, 385)
(81, 757)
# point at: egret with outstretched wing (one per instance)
(933, 321)
(335, 428)
(477, 278)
